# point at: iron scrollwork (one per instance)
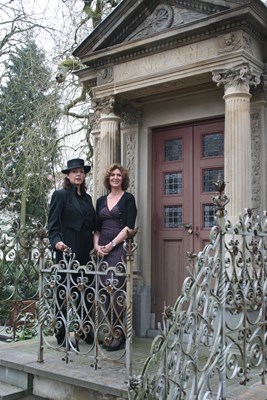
(216, 330)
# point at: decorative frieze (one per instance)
(165, 61)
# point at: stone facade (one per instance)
(157, 63)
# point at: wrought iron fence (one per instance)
(19, 279)
(91, 304)
(85, 308)
(216, 331)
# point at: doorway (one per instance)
(187, 160)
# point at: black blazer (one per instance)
(127, 209)
(65, 212)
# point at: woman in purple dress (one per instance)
(116, 215)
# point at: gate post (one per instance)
(220, 202)
(41, 235)
(130, 247)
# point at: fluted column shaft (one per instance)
(237, 136)
(109, 141)
(237, 151)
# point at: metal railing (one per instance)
(90, 303)
(216, 331)
(88, 306)
(19, 275)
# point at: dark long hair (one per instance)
(67, 184)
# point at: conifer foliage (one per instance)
(28, 116)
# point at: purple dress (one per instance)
(111, 226)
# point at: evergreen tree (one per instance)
(28, 143)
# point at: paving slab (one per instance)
(23, 356)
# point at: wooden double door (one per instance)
(187, 160)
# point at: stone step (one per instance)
(10, 392)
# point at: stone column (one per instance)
(107, 140)
(237, 148)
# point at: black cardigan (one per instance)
(127, 210)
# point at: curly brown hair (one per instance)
(124, 173)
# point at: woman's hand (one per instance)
(103, 250)
(61, 246)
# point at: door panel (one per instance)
(208, 168)
(186, 161)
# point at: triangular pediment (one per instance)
(171, 15)
(136, 20)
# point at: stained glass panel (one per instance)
(173, 217)
(209, 215)
(173, 183)
(213, 145)
(210, 176)
(173, 150)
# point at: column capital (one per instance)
(130, 112)
(238, 78)
(103, 107)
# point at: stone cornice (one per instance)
(170, 40)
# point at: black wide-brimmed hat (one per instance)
(76, 163)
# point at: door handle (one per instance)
(188, 227)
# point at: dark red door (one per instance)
(186, 162)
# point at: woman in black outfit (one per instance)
(71, 221)
(116, 215)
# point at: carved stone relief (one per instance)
(130, 158)
(247, 43)
(264, 78)
(95, 118)
(256, 159)
(130, 113)
(175, 14)
(229, 42)
(161, 19)
(235, 41)
(97, 175)
(183, 16)
(104, 75)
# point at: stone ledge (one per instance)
(10, 392)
